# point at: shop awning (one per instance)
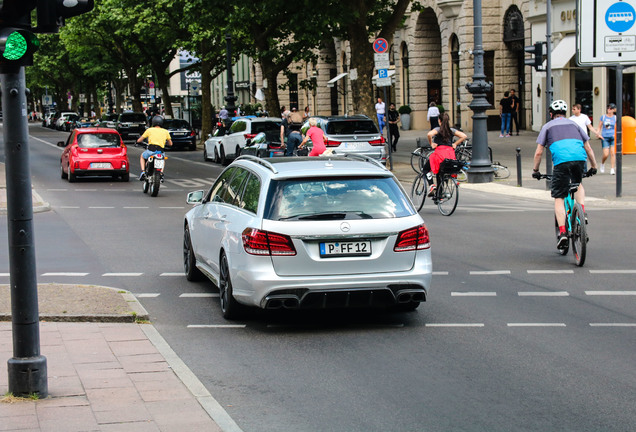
(563, 52)
(332, 81)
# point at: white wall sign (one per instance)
(605, 32)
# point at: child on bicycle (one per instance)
(570, 148)
(441, 139)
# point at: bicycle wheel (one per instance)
(556, 232)
(579, 234)
(463, 154)
(501, 172)
(447, 196)
(418, 192)
(462, 176)
(419, 157)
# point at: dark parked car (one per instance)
(264, 145)
(131, 125)
(107, 120)
(181, 133)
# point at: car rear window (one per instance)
(133, 117)
(271, 126)
(336, 198)
(175, 124)
(351, 127)
(98, 140)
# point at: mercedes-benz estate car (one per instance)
(305, 232)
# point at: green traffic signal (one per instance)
(17, 46)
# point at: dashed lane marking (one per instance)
(612, 271)
(173, 208)
(147, 295)
(543, 294)
(123, 274)
(536, 324)
(610, 293)
(442, 273)
(550, 271)
(173, 274)
(101, 207)
(136, 207)
(473, 294)
(490, 272)
(64, 274)
(198, 295)
(612, 324)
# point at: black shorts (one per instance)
(563, 174)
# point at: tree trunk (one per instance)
(164, 83)
(362, 61)
(272, 104)
(207, 116)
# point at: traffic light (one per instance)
(51, 13)
(17, 46)
(536, 51)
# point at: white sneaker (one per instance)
(602, 168)
(612, 172)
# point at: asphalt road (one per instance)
(513, 337)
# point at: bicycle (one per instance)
(500, 171)
(446, 194)
(419, 156)
(575, 224)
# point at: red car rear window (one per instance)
(98, 140)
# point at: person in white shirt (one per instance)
(433, 115)
(583, 121)
(379, 111)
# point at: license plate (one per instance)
(179, 134)
(159, 163)
(350, 145)
(346, 248)
(101, 165)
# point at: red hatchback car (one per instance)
(94, 152)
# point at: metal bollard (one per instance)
(519, 166)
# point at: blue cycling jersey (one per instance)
(565, 139)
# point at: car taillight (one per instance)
(192, 133)
(377, 142)
(249, 136)
(332, 143)
(259, 242)
(412, 239)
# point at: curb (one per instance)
(39, 205)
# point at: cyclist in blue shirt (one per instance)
(570, 148)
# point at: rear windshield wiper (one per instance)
(324, 216)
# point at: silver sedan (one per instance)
(299, 233)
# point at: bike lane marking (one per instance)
(610, 293)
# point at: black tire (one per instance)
(419, 157)
(230, 308)
(217, 158)
(448, 196)
(155, 184)
(563, 251)
(63, 175)
(192, 273)
(145, 186)
(501, 172)
(205, 154)
(579, 235)
(125, 177)
(193, 146)
(418, 192)
(71, 177)
(222, 158)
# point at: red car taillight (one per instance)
(249, 136)
(259, 242)
(332, 143)
(192, 133)
(412, 239)
(377, 142)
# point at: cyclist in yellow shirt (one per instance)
(158, 138)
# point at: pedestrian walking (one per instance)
(583, 121)
(505, 112)
(393, 117)
(516, 104)
(433, 115)
(380, 108)
(306, 114)
(607, 128)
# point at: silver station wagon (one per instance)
(307, 233)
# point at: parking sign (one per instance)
(605, 32)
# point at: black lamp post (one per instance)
(230, 98)
(480, 170)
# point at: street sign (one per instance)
(383, 73)
(380, 45)
(381, 60)
(47, 100)
(605, 32)
(383, 82)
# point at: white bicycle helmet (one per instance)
(559, 106)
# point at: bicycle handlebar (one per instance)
(549, 176)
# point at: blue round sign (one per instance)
(620, 17)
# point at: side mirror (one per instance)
(195, 197)
(61, 144)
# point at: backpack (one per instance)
(295, 120)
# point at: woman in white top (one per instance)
(433, 115)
